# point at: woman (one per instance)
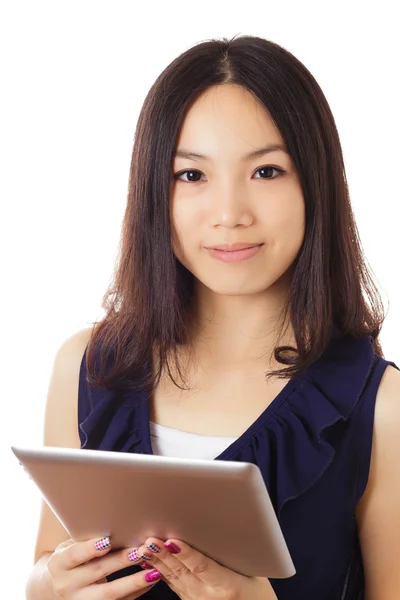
(237, 328)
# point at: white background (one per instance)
(73, 78)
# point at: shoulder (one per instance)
(62, 395)
(68, 358)
(387, 407)
(377, 513)
(72, 348)
(385, 453)
(386, 439)
(385, 459)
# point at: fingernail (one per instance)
(171, 547)
(145, 556)
(152, 576)
(145, 565)
(134, 554)
(153, 548)
(103, 543)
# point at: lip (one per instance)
(239, 252)
(233, 247)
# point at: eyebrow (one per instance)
(182, 153)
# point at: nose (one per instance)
(229, 207)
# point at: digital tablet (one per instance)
(221, 508)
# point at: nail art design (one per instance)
(171, 547)
(153, 548)
(145, 556)
(152, 576)
(103, 543)
(134, 554)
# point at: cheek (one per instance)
(285, 230)
(292, 224)
(185, 225)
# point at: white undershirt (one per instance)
(167, 441)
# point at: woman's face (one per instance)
(229, 198)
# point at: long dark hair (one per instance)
(148, 301)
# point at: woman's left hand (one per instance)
(192, 575)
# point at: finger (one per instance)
(65, 544)
(130, 586)
(199, 565)
(71, 554)
(154, 552)
(95, 570)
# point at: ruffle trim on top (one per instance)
(292, 438)
(286, 442)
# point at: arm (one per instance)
(62, 399)
(378, 512)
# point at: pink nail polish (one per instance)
(171, 547)
(152, 576)
(134, 554)
(154, 548)
(103, 543)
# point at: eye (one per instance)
(268, 168)
(177, 176)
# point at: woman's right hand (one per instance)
(78, 570)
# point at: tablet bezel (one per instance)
(221, 508)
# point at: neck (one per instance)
(238, 332)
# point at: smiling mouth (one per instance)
(233, 255)
(233, 247)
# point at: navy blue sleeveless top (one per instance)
(313, 447)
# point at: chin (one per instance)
(235, 289)
(244, 284)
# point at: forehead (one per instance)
(228, 116)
